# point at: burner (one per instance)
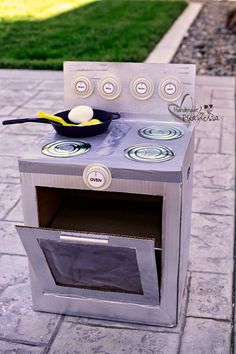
(149, 153)
(66, 148)
(161, 132)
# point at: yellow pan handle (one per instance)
(54, 118)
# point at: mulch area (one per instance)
(209, 43)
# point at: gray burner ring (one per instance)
(161, 132)
(66, 148)
(149, 153)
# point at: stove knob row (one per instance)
(169, 89)
(97, 176)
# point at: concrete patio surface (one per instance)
(206, 321)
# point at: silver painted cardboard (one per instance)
(171, 179)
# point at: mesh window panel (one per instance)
(93, 267)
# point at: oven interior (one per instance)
(111, 213)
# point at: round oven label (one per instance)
(96, 179)
(97, 176)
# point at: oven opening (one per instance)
(100, 267)
(121, 214)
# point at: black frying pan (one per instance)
(74, 131)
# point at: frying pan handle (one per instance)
(115, 115)
(25, 120)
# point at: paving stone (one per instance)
(2, 127)
(16, 214)
(214, 171)
(208, 129)
(228, 114)
(225, 94)
(24, 112)
(21, 84)
(9, 240)
(16, 98)
(3, 82)
(209, 145)
(18, 348)
(13, 271)
(55, 85)
(223, 103)
(210, 296)
(7, 110)
(80, 339)
(203, 95)
(215, 81)
(228, 137)
(211, 241)
(17, 145)
(18, 321)
(196, 143)
(31, 74)
(29, 128)
(213, 201)
(202, 336)
(51, 95)
(58, 106)
(9, 195)
(9, 169)
(40, 104)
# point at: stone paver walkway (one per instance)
(206, 320)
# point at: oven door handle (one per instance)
(84, 239)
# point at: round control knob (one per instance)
(109, 88)
(83, 86)
(170, 89)
(97, 176)
(142, 88)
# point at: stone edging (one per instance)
(167, 47)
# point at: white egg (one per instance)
(80, 114)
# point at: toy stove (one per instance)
(107, 218)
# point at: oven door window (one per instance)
(96, 267)
(88, 265)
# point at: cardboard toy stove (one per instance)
(107, 218)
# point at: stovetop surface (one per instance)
(109, 149)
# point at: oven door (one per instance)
(75, 264)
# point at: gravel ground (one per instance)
(209, 44)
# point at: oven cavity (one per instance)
(121, 214)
